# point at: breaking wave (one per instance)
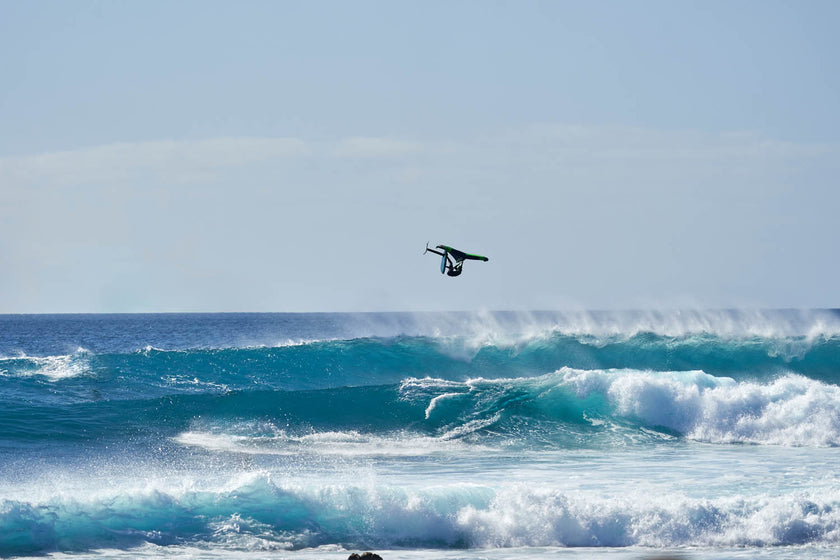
(257, 512)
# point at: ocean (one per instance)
(457, 436)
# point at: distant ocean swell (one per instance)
(358, 361)
(260, 513)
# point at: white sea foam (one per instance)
(257, 512)
(289, 342)
(790, 410)
(330, 443)
(521, 516)
(55, 368)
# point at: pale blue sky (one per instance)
(296, 156)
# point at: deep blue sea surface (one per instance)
(696, 434)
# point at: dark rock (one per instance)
(365, 556)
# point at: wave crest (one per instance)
(791, 410)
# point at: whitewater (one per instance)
(705, 434)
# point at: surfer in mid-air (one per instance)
(452, 260)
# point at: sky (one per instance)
(278, 156)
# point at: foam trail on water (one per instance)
(332, 443)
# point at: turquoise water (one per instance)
(706, 434)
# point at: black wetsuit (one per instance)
(454, 266)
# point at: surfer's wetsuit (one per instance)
(456, 269)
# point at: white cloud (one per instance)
(122, 161)
(615, 143)
(372, 147)
(566, 148)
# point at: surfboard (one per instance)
(460, 255)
